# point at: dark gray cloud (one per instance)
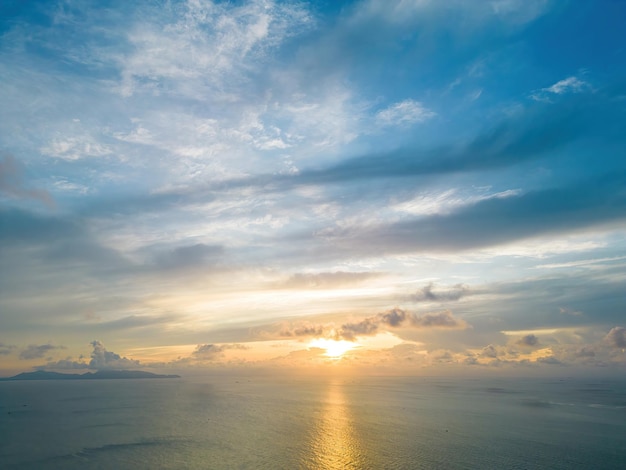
(393, 318)
(367, 327)
(442, 357)
(397, 318)
(443, 319)
(305, 329)
(209, 352)
(585, 351)
(429, 294)
(489, 351)
(616, 337)
(528, 340)
(34, 351)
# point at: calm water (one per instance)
(377, 423)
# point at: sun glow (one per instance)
(333, 347)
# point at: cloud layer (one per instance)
(215, 183)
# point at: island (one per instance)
(101, 374)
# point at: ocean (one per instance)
(228, 422)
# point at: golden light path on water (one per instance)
(334, 442)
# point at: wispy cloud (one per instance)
(567, 85)
(328, 280)
(75, 148)
(582, 205)
(404, 113)
(514, 140)
(207, 49)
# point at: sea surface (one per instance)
(317, 423)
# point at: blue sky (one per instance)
(437, 185)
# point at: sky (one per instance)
(376, 186)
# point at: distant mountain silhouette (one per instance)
(101, 374)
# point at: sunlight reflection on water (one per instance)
(369, 424)
(334, 442)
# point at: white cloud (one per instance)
(139, 135)
(430, 203)
(75, 148)
(321, 120)
(404, 113)
(570, 84)
(65, 185)
(545, 246)
(211, 47)
(581, 263)
(567, 85)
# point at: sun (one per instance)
(333, 347)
